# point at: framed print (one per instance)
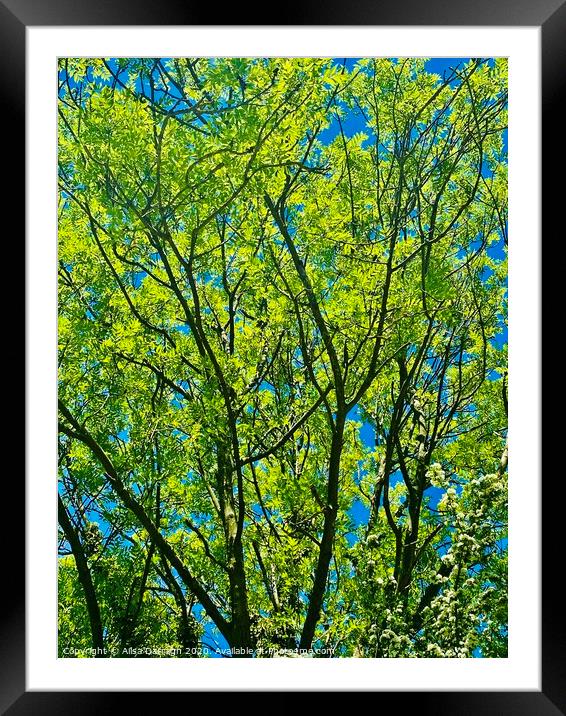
(266, 275)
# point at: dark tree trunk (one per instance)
(327, 542)
(85, 578)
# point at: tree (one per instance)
(248, 289)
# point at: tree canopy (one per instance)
(282, 357)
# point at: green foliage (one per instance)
(240, 297)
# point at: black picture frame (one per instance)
(15, 16)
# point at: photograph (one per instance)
(282, 371)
